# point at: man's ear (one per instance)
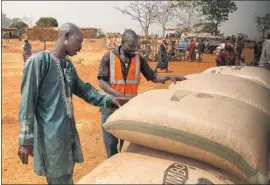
(67, 36)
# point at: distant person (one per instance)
(183, 48)
(27, 50)
(233, 40)
(10, 35)
(257, 51)
(162, 57)
(47, 124)
(227, 56)
(207, 47)
(265, 56)
(6, 36)
(200, 49)
(239, 49)
(191, 50)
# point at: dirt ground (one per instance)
(87, 116)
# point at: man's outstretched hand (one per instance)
(24, 151)
(174, 79)
(163, 79)
(119, 101)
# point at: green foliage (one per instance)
(5, 21)
(47, 22)
(217, 11)
(207, 27)
(16, 20)
(21, 26)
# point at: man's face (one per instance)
(130, 47)
(73, 43)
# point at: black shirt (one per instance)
(103, 74)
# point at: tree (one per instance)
(28, 20)
(243, 35)
(145, 12)
(206, 27)
(263, 23)
(165, 14)
(101, 33)
(16, 20)
(188, 12)
(217, 11)
(5, 21)
(21, 27)
(47, 22)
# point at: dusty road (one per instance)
(87, 116)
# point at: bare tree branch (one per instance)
(187, 12)
(28, 20)
(263, 23)
(165, 14)
(145, 12)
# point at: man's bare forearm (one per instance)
(107, 88)
(159, 79)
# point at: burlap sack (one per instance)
(221, 131)
(256, 74)
(229, 86)
(138, 149)
(131, 168)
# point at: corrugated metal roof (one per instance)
(6, 29)
(56, 28)
(88, 28)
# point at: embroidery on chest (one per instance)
(65, 89)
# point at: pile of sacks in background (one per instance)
(113, 40)
(210, 129)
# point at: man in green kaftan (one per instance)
(47, 124)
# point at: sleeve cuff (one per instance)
(26, 141)
(108, 101)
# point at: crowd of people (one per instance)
(193, 52)
(231, 54)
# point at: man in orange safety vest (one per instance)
(119, 75)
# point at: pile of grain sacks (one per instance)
(210, 129)
(113, 40)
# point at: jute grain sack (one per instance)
(221, 131)
(229, 86)
(256, 74)
(131, 168)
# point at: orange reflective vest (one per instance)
(117, 81)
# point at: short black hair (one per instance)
(129, 33)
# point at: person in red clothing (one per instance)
(227, 56)
(191, 50)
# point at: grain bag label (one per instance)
(176, 174)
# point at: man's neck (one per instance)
(58, 52)
(121, 52)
